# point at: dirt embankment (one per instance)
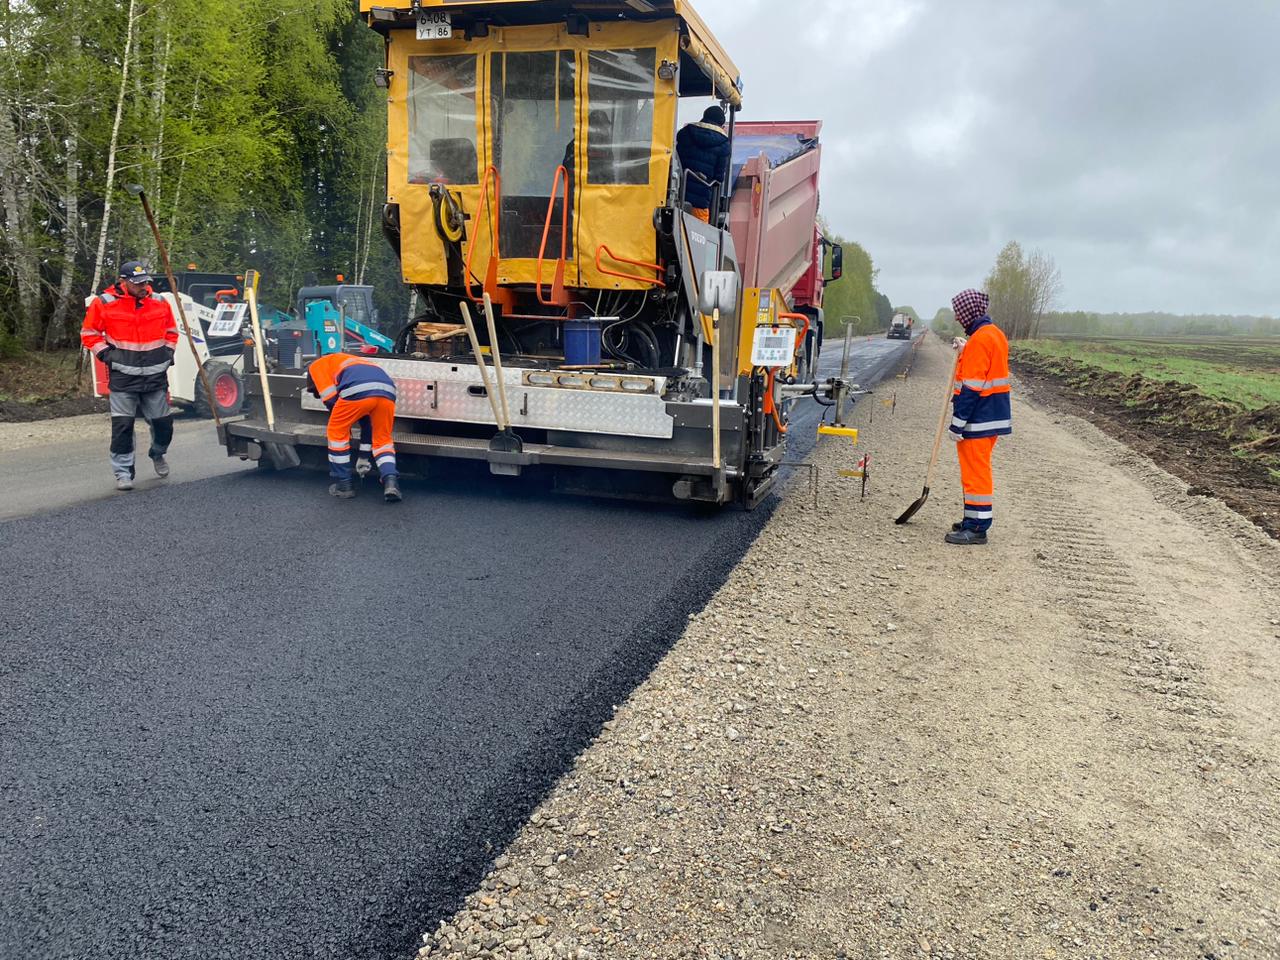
(40, 386)
(1219, 448)
(875, 746)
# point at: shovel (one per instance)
(912, 510)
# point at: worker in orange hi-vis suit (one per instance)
(980, 412)
(357, 391)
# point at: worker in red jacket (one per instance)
(133, 332)
(980, 412)
(357, 390)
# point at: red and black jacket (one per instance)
(134, 337)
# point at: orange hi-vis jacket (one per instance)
(134, 337)
(340, 376)
(980, 406)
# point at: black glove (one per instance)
(105, 357)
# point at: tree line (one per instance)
(854, 298)
(1024, 288)
(1083, 323)
(255, 128)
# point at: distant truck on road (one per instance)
(900, 326)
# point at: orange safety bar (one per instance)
(558, 295)
(656, 267)
(495, 253)
(226, 296)
(803, 330)
(771, 408)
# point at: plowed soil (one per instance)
(1220, 449)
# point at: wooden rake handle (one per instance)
(942, 422)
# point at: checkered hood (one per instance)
(970, 306)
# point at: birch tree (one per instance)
(1022, 289)
(115, 143)
(256, 129)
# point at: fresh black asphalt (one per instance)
(240, 719)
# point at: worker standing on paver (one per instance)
(980, 411)
(357, 391)
(703, 149)
(133, 332)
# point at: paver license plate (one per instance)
(435, 26)
(773, 347)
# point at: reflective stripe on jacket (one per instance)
(339, 376)
(140, 335)
(980, 406)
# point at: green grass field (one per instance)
(1240, 370)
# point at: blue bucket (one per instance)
(581, 342)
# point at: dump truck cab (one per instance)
(531, 165)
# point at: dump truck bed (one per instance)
(774, 205)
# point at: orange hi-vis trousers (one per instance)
(975, 477)
(380, 414)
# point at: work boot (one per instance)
(957, 527)
(391, 489)
(161, 465)
(966, 538)
(124, 482)
(342, 489)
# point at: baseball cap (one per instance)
(137, 271)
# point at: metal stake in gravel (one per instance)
(937, 444)
(844, 370)
(137, 191)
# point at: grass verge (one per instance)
(1246, 373)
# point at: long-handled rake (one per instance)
(937, 445)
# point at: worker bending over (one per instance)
(132, 332)
(980, 411)
(357, 391)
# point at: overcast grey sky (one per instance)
(1136, 141)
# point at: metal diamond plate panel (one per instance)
(444, 391)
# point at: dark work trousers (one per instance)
(153, 407)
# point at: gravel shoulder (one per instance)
(24, 434)
(870, 744)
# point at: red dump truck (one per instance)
(568, 294)
(774, 217)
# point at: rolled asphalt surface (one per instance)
(241, 719)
